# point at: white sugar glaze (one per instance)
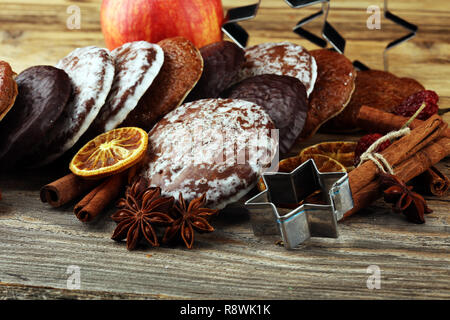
(196, 149)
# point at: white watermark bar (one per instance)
(210, 146)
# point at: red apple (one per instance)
(123, 21)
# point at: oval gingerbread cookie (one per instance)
(332, 91)
(8, 88)
(377, 89)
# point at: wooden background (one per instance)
(38, 244)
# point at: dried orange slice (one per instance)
(323, 164)
(341, 151)
(285, 165)
(110, 153)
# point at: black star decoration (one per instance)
(329, 34)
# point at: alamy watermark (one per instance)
(374, 20)
(73, 22)
(374, 280)
(219, 145)
(74, 278)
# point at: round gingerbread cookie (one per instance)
(213, 146)
(284, 58)
(8, 88)
(332, 91)
(137, 65)
(91, 71)
(43, 94)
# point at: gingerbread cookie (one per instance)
(222, 62)
(43, 94)
(213, 146)
(137, 65)
(182, 68)
(8, 88)
(333, 89)
(91, 71)
(374, 88)
(282, 97)
(283, 58)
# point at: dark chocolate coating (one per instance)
(43, 93)
(221, 63)
(282, 97)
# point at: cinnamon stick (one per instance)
(399, 151)
(406, 170)
(375, 120)
(66, 189)
(100, 197)
(432, 181)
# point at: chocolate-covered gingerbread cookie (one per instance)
(282, 97)
(43, 94)
(222, 61)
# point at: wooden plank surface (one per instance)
(38, 244)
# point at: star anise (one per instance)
(136, 188)
(189, 218)
(141, 208)
(404, 200)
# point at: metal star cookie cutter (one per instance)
(296, 225)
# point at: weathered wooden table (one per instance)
(39, 246)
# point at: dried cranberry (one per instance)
(365, 142)
(411, 104)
